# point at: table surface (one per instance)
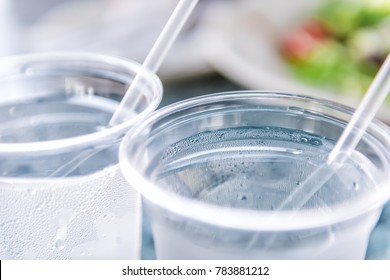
(379, 243)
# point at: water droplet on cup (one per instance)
(303, 139)
(59, 244)
(297, 152)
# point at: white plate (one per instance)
(243, 46)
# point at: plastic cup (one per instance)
(213, 169)
(62, 194)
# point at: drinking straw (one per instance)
(345, 145)
(132, 96)
(347, 142)
(154, 59)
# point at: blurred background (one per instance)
(326, 48)
(124, 28)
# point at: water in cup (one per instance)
(255, 168)
(62, 204)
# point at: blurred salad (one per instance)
(341, 45)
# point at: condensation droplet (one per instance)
(303, 139)
(40, 206)
(316, 142)
(59, 244)
(297, 152)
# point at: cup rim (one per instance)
(130, 65)
(238, 217)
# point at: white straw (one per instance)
(347, 142)
(152, 62)
(154, 59)
(364, 114)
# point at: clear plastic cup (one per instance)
(62, 194)
(213, 169)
